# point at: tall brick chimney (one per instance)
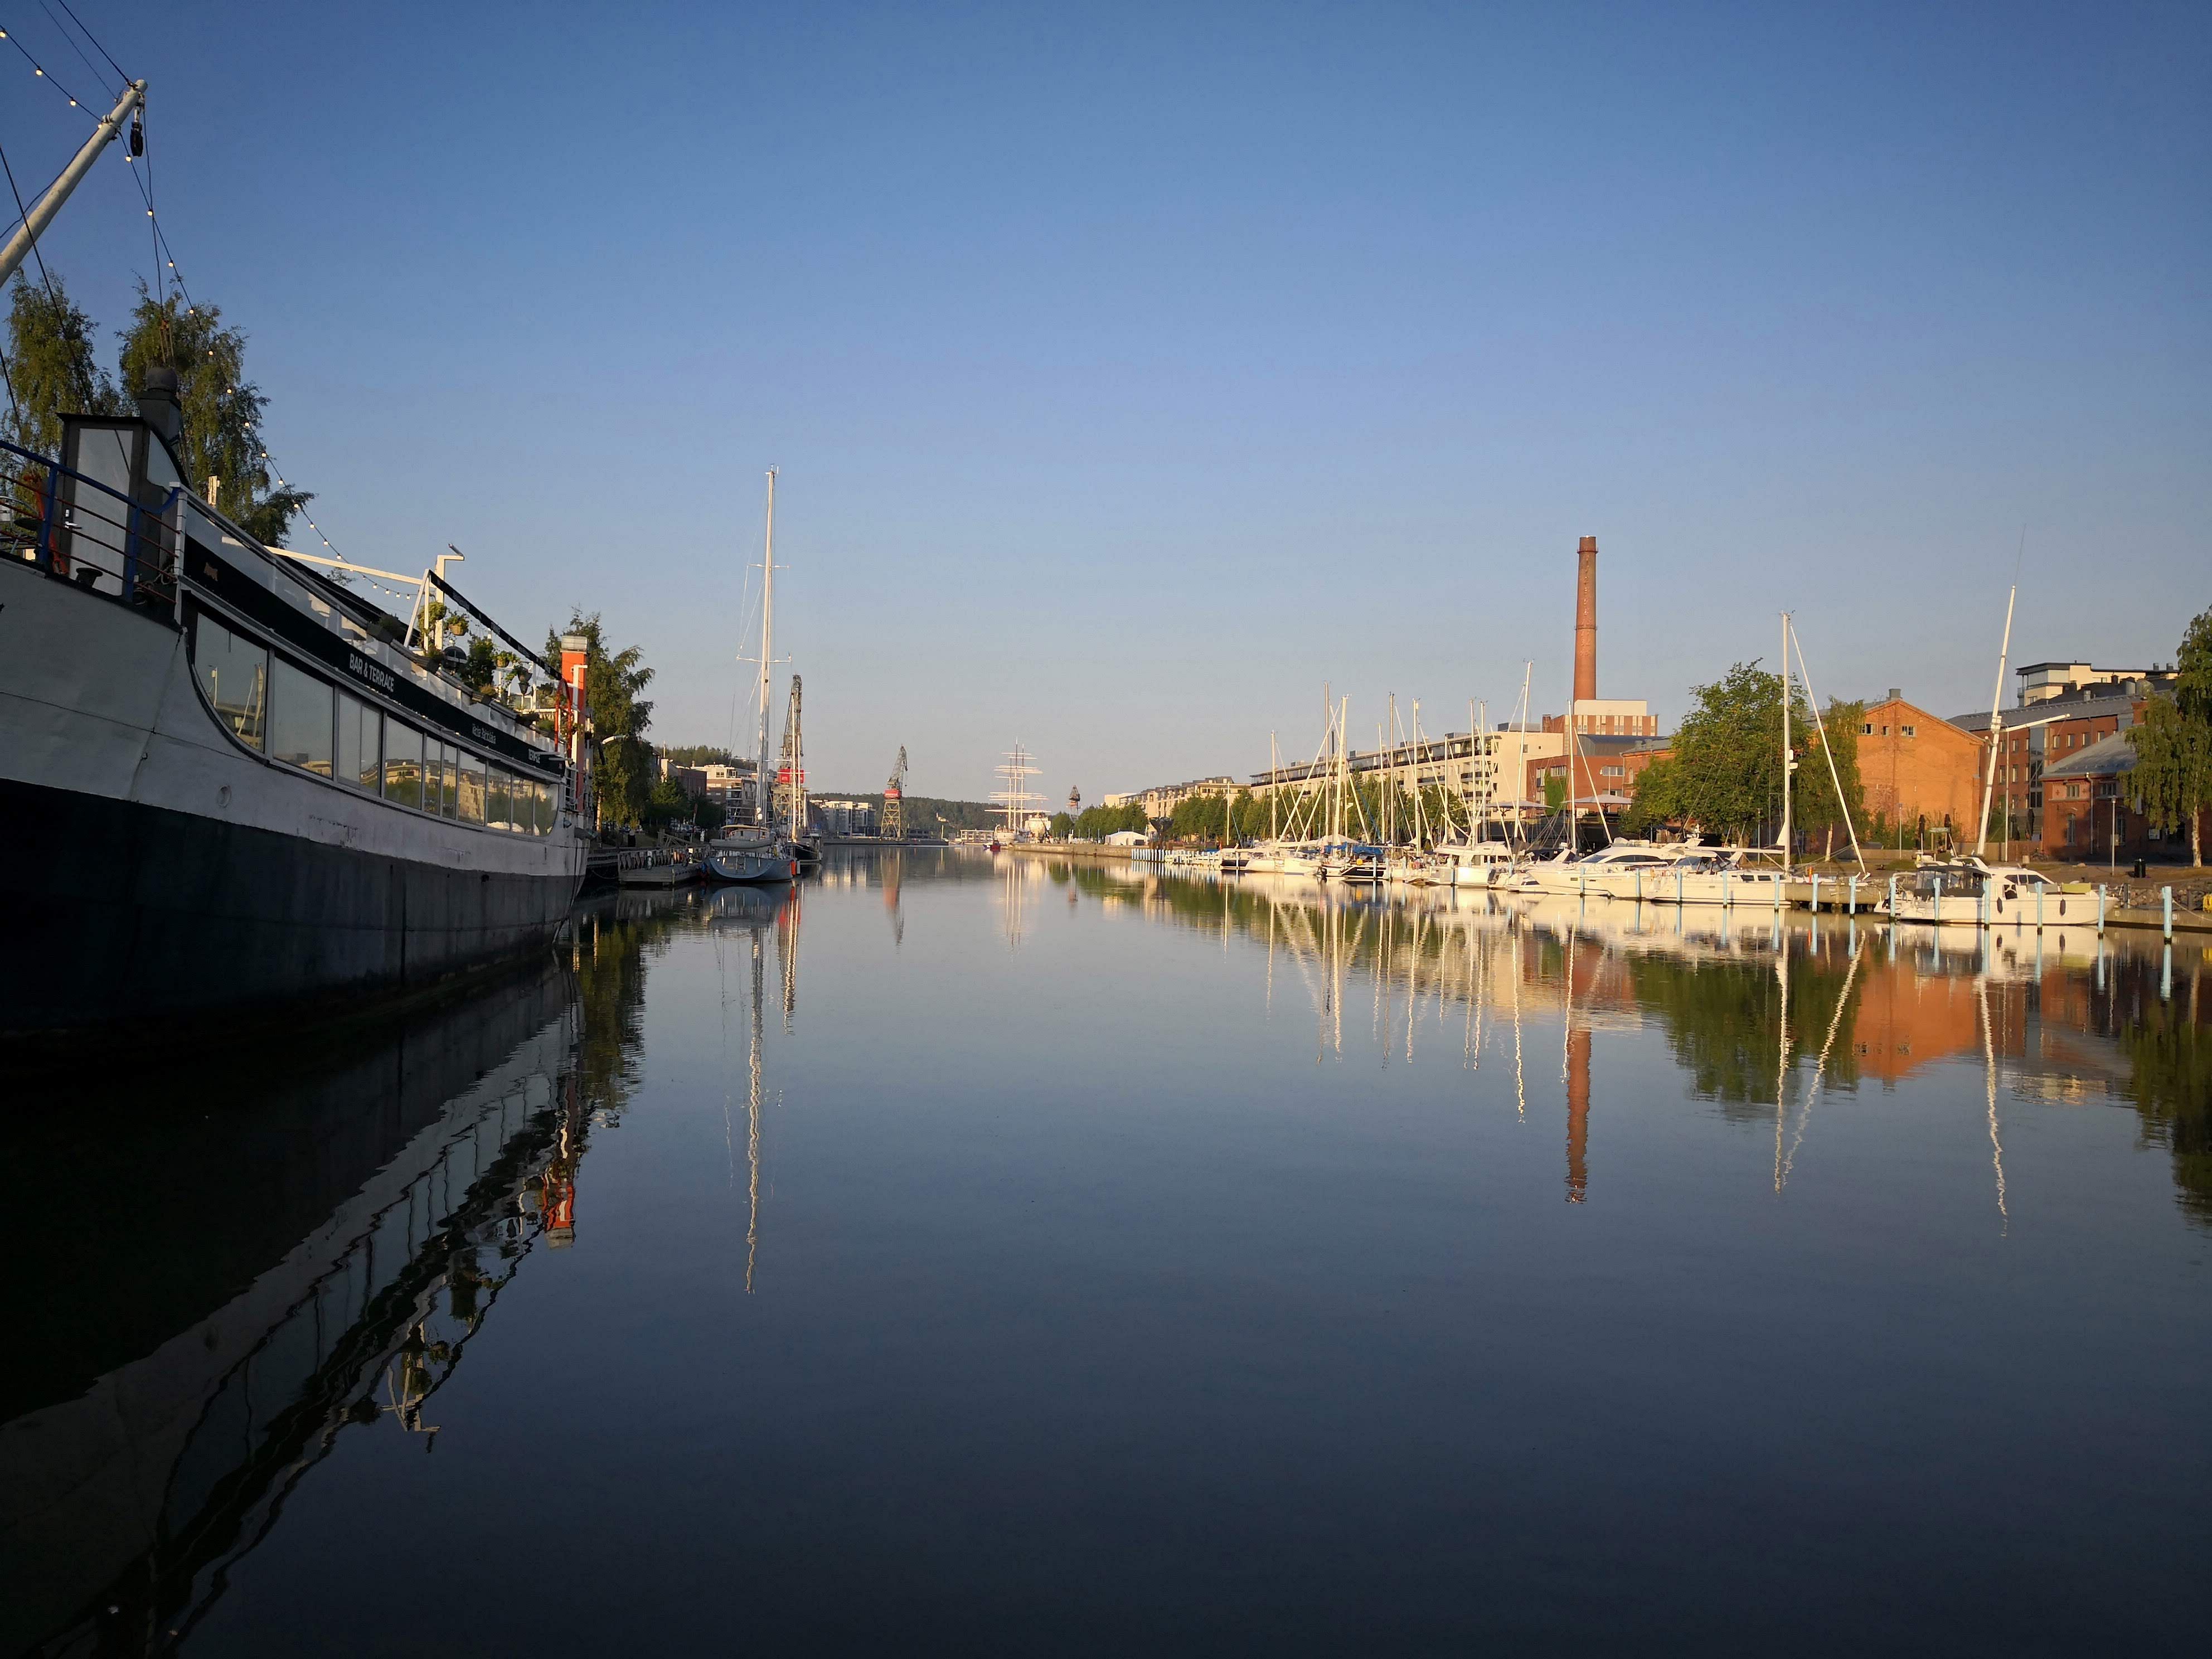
(1586, 623)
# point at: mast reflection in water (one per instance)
(1090, 1260)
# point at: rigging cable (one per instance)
(93, 39)
(78, 50)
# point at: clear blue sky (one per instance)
(1135, 371)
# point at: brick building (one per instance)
(1921, 773)
(1605, 766)
(2040, 734)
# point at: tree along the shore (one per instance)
(623, 773)
(2171, 783)
(1724, 777)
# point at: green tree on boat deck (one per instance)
(52, 367)
(222, 410)
(622, 761)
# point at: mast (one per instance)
(1997, 734)
(1785, 743)
(762, 812)
(42, 214)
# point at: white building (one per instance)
(846, 817)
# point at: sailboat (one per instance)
(753, 852)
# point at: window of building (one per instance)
(300, 717)
(234, 673)
(1908, 731)
(1867, 730)
(402, 764)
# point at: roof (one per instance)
(1873, 703)
(2051, 712)
(2106, 757)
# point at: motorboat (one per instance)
(1975, 893)
(1485, 864)
(1610, 871)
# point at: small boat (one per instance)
(1586, 875)
(747, 853)
(1485, 864)
(1971, 892)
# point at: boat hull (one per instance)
(749, 866)
(159, 872)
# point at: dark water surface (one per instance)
(1047, 1260)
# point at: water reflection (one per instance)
(1766, 1013)
(225, 1272)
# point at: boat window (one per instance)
(472, 788)
(440, 777)
(499, 809)
(233, 673)
(361, 742)
(402, 764)
(299, 719)
(547, 798)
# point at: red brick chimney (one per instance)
(1586, 623)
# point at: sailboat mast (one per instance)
(1997, 734)
(1785, 743)
(761, 779)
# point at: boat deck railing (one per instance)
(76, 529)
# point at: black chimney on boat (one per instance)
(159, 406)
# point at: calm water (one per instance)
(1045, 1259)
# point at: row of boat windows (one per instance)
(276, 706)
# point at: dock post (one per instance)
(1639, 887)
(1777, 895)
(2039, 907)
(2165, 894)
(1726, 898)
(1853, 901)
(1816, 894)
(1678, 886)
(1892, 897)
(2100, 910)
(2166, 974)
(1982, 912)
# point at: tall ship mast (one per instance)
(763, 812)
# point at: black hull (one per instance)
(120, 915)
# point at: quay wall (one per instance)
(1071, 849)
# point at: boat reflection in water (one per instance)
(248, 1265)
(1767, 1012)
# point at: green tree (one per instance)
(1063, 826)
(222, 410)
(2171, 783)
(1727, 758)
(50, 366)
(1657, 800)
(623, 761)
(1817, 805)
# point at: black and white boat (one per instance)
(231, 782)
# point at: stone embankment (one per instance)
(1071, 849)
